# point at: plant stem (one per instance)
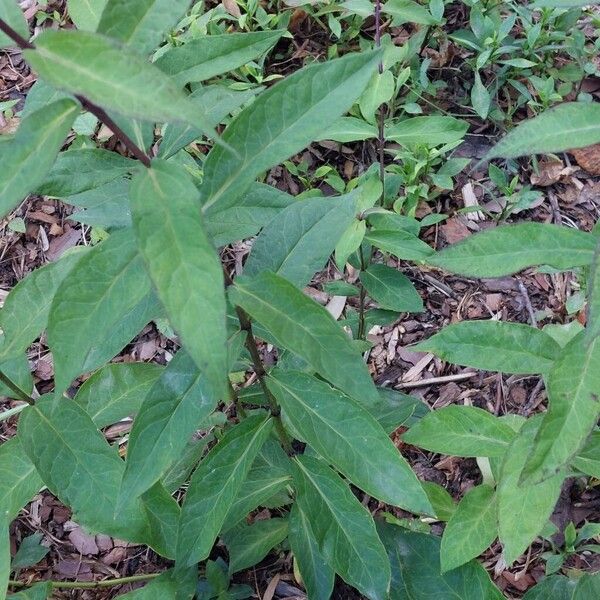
(259, 369)
(381, 110)
(89, 585)
(11, 412)
(19, 393)
(239, 407)
(99, 112)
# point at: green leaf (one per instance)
(11, 13)
(317, 576)
(86, 13)
(97, 67)
(379, 90)
(255, 209)
(416, 573)
(593, 297)
(442, 502)
(170, 585)
(511, 248)
(494, 346)
(480, 97)
(573, 386)
(210, 55)
(261, 136)
(179, 472)
(555, 587)
(523, 510)
(30, 552)
(391, 289)
(16, 368)
(29, 155)
(395, 408)
(183, 266)
(431, 131)
(140, 24)
(261, 485)
(408, 11)
(99, 308)
(172, 410)
(343, 527)
(82, 170)
(349, 129)
(346, 435)
(78, 466)
(39, 591)
(350, 241)
(302, 326)
(588, 459)
(569, 125)
(20, 481)
(400, 243)
(117, 391)
(461, 431)
(249, 544)
(4, 553)
(215, 485)
(25, 312)
(218, 100)
(299, 240)
(471, 529)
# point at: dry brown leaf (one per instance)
(588, 158)
(232, 8)
(549, 172)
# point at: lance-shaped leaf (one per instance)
(104, 72)
(556, 587)
(494, 346)
(214, 487)
(257, 207)
(281, 122)
(511, 248)
(39, 591)
(346, 435)
(82, 170)
(400, 243)
(79, 467)
(349, 129)
(117, 391)
(570, 125)
(261, 485)
(471, 529)
(210, 55)
(317, 576)
(523, 510)
(299, 324)
(183, 266)
(249, 544)
(29, 155)
(140, 24)
(11, 13)
(86, 13)
(20, 481)
(588, 459)
(172, 410)
(25, 312)
(99, 308)
(461, 431)
(299, 240)
(573, 387)
(416, 573)
(218, 101)
(431, 131)
(343, 527)
(391, 289)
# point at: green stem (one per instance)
(11, 412)
(89, 585)
(259, 369)
(18, 392)
(239, 407)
